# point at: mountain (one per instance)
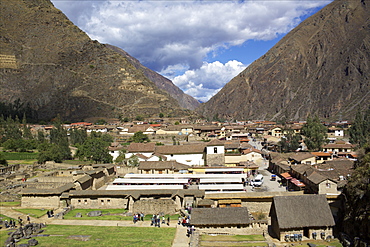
(53, 67)
(161, 82)
(321, 67)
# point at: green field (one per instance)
(10, 204)
(109, 214)
(19, 155)
(37, 213)
(103, 236)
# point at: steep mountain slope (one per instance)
(321, 67)
(49, 62)
(163, 83)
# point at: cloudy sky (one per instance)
(199, 45)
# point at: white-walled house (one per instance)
(192, 155)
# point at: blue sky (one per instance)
(199, 45)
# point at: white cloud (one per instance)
(173, 36)
(206, 81)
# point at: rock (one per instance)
(78, 215)
(94, 213)
(33, 242)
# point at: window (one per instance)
(328, 185)
(215, 150)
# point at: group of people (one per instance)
(50, 213)
(156, 220)
(10, 224)
(138, 217)
(184, 221)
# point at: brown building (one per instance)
(308, 215)
(220, 217)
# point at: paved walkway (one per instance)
(180, 240)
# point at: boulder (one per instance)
(94, 213)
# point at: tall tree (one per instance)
(59, 136)
(139, 137)
(315, 133)
(78, 136)
(359, 132)
(94, 149)
(290, 141)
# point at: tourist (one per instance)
(168, 220)
(142, 216)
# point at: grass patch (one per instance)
(20, 155)
(232, 238)
(37, 213)
(106, 236)
(4, 217)
(10, 204)
(108, 214)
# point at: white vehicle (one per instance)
(258, 180)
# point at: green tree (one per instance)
(121, 157)
(139, 118)
(77, 136)
(139, 137)
(133, 161)
(49, 152)
(3, 161)
(359, 132)
(161, 115)
(101, 122)
(94, 149)
(315, 134)
(356, 195)
(290, 141)
(59, 136)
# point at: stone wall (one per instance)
(40, 201)
(123, 170)
(215, 159)
(257, 206)
(154, 206)
(248, 230)
(43, 185)
(99, 203)
(52, 179)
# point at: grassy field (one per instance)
(108, 214)
(37, 213)
(20, 155)
(104, 236)
(10, 204)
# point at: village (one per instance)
(226, 178)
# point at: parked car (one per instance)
(258, 180)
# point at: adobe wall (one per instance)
(247, 230)
(257, 206)
(52, 179)
(154, 206)
(123, 170)
(40, 201)
(215, 159)
(44, 185)
(99, 203)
